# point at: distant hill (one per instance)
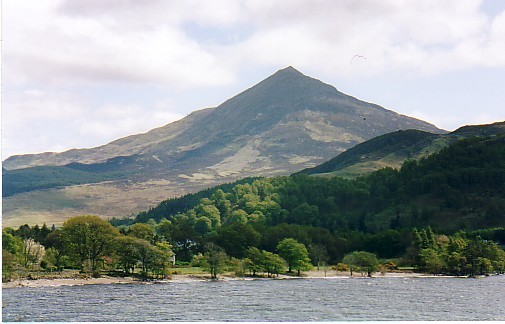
(394, 148)
(283, 124)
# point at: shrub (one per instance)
(341, 267)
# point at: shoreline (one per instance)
(179, 278)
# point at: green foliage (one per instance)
(374, 213)
(164, 230)
(88, 239)
(203, 225)
(457, 255)
(318, 254)
(174, 206)
(142, 231)
(362, 261)
(36, 233)
(45, 177)
(214, 259)
(11, 242)
(295, 254)
(274, 264)
(257, 259)
(153, 258)
(127, 252)
(264, 261)
(236, 238)
(431, 261)
(90, 243)
(209, 211)
(9, 265)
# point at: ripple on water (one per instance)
(264, 300)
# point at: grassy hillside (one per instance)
(392, 149)
(44, 177)
(397, 145)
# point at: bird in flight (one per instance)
(357, 56)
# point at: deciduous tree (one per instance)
(88, 238)
(32, 253)
(142, 231)
(295, 254)
(214, 259)
(361, 260)
(273, 263)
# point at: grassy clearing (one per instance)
(106, 199)
(189, 271)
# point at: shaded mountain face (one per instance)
(392, 149)
(283, 124)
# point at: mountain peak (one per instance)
(289, 71)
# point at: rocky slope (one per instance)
(283, 124)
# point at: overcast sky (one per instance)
(81, 73)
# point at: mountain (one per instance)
(283, 124)
(394, 148)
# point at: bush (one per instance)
(198, 260)
(182, 264)
(390, 265)
(341, 267)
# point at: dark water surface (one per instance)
(331, 299)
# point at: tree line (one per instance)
(87, 243)
(90, 244)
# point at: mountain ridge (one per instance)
(393, 149)
(281, 125)
(283, 81)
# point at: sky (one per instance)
(82, 73)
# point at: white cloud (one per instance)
(34, 120)
(416, 37)
(150, 14)
(58, 121)
(495, 47)
(145, 42)
(54, 48)
(44, 43)
(113, 121)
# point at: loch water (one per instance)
(320, 299)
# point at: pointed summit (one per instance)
(284, 92)
(292, 85)
(289, 70)
(288, 73)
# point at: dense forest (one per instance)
(440, 214)
(460, 188)
(458, 192)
